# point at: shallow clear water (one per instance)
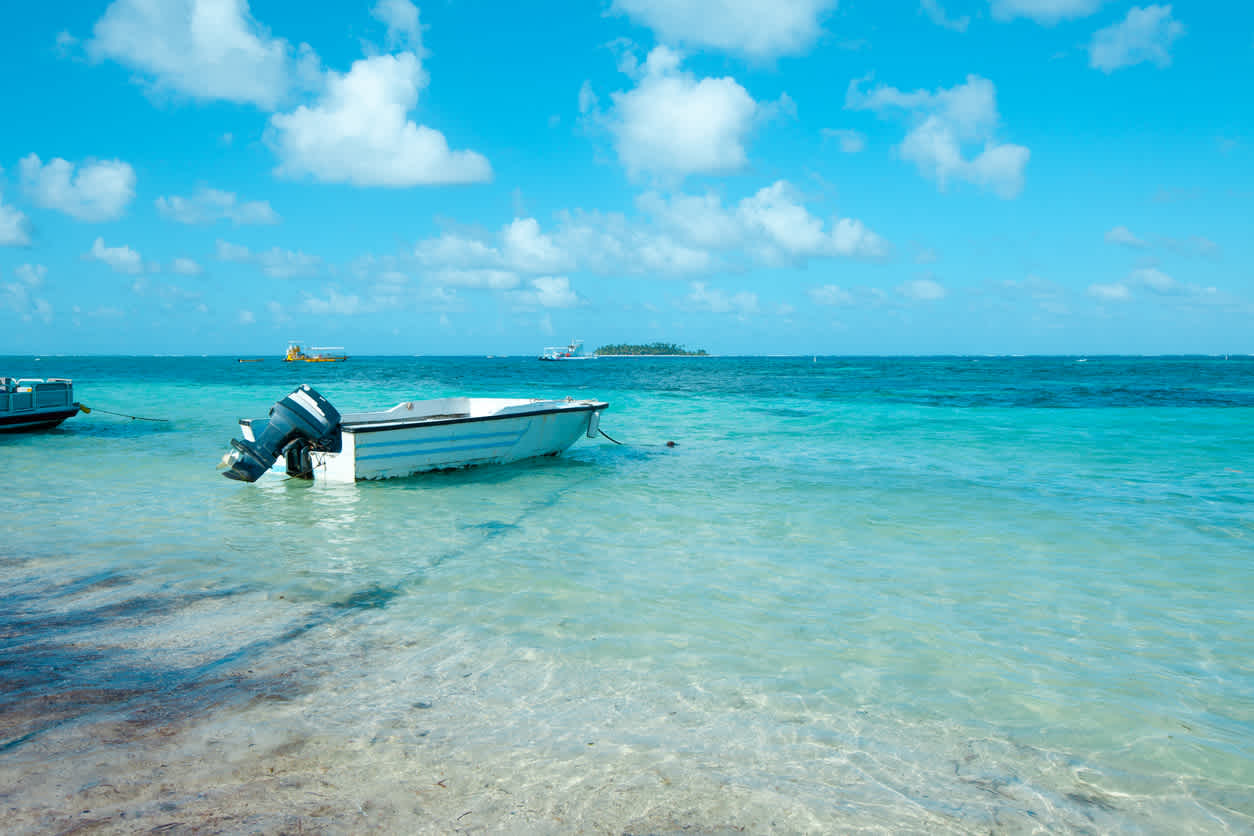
(860, 594)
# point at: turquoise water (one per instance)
(860, 595)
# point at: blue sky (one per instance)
(744, 176)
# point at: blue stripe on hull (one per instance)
(434, 452)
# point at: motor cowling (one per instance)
(301, 421)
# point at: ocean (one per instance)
(859, 595)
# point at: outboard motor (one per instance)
(302, 421)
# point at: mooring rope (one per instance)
(90, 409)
(616, 441)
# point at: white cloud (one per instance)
(703, 297)
(675, 235)
(122, 259)
(32, 275)
(1156, 280)
(588, 102)
(16, 296)
(1047, 12)
(475, 277)
(527, 250)
(99, 191)
(756, 28)
(401, 19)
(457, 251)
(210, 205)
(546, 292)
(247, 317)
(334, 304)
(948, 126)
(673, 125)
(14, 227)
(851, 142)
(922, 290)
(1115, 292)
(205, 49)
(186, 267)
(232, 252)
(936, 13)
(1146, 34)
(276, 263)
(359, 132)
(773, 225)
(830, 294)
(1123, 236)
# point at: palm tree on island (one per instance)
(650, 350)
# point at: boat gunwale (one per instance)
(413, 423)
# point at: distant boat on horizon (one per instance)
(295, 354)
(574, 351)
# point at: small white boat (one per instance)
(35, 404)
(574, 351)
(316, 442)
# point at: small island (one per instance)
(650, 350)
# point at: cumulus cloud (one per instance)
(186, 267)
(14, 227)
(452, 250)
(1146, 34)
(1047, 12)
(674, 235)
(705, 298)
(1114, 292)
(401, 19)
(1123, 236)
(953, 133)
(1155, 279)
(275, 262)
(334, 303)
(122, 259)
(673, 124)
(773, 225)
(759, 29)
(210, 205)
(528, 250)
(32, 275)
(481, 277)
(546, 292)
(936, 13)
(204, 49)
(98, 191)
(922, 290)
(359, 132)
(18, 296)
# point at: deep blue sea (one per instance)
(860, 595)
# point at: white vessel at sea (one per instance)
(574, 351)
(315, 442)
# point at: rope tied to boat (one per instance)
(90, 409)
(616, 441)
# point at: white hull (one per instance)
(419, 436)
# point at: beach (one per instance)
(881, 595)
